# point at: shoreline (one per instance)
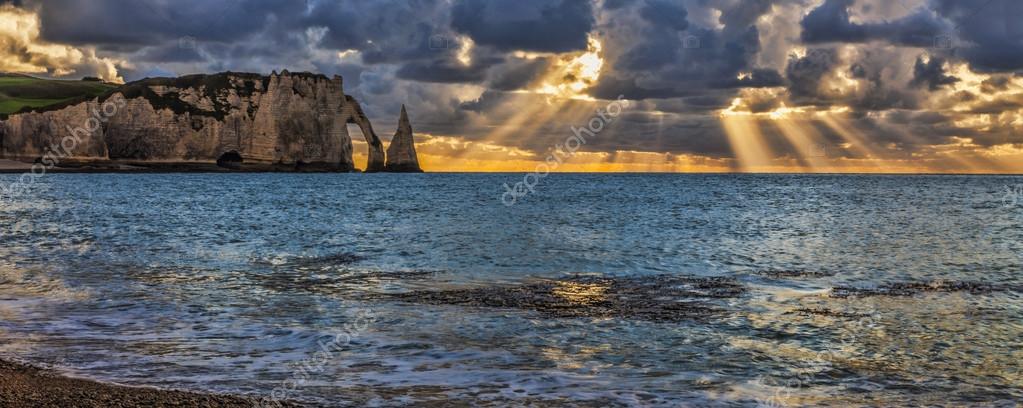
(24, 385)
(8, 166)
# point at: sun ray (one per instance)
(513, 124)
(805, 141)
(748, 145)
(555, 113)
(845, 129)
(968, 165)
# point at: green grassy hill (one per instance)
(21, 91)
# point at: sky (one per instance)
(894, 86)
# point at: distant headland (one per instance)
(287, 122)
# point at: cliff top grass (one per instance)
(18, 91)
(211, 83)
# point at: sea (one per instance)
(856, 290)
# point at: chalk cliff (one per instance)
(401, 154)
(286, 121)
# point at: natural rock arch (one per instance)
(352, 113)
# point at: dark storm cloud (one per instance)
(757, 78)
(989, 32)
(831, 23)
(387, 31)
(374, 83)
(805, 74)
(665, 55)
(442, 71)
(663, 13)
(661, 40)
(183, 51)
(517, 73)
(529, 25)
(811, 80)
(617, 4)
(986, 33)
(879, 93)
(932, 74)
(489, 100)
(745, 13)
(661, 48)
(610, 86)
(148, 22)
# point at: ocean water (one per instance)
(282, 284)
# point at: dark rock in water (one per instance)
(401, 154)
(655, 298)
(329, 260)
(315, 261)
(915, 288)
(329, 279)
(782, 274)
(829, 313)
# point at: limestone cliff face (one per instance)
(30, 136)
(282, 119)
(401, 154)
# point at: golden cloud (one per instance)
(22, 50)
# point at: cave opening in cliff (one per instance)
(230, 160)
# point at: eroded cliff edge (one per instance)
(280, 122)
